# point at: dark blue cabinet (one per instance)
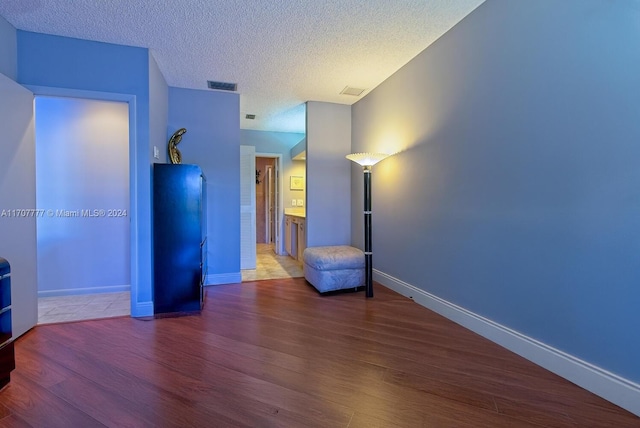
(7, 356)
(179, 238)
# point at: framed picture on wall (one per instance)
(297, 183)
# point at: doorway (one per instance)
(266, 202)
(82, 186)
(263, 222)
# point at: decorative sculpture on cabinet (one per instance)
(174, 153)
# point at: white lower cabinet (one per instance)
(294, 236)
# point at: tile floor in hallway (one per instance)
(107, 305)
(272, 266)
(83, 307)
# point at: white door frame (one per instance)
(139, 307)
(279, 249)
(269, 222)
(18, 204)
(247, 207)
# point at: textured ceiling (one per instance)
(281, 53)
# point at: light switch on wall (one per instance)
(301, 202)
(156, 152)
(293, 202)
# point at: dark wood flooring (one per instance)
(276, 354)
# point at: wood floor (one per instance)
(275, 353)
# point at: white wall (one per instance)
(297, 168)
(17, 192)
(82, 170)
(328, 178)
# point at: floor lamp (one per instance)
(367, 160)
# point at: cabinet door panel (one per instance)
(301, 239)
(178, 237)
(287, 234)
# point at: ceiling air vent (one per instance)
(250, 116)
(356, 92)
(222, 86)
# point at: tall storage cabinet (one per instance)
(179, 238)
(7, 358)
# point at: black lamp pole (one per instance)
(367, 160)
(368, 281)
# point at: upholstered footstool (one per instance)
(333, 268)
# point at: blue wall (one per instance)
(84, 68)
(328, 174)
(8, 49)
(271, 142)
(158, 111)
(46, 61)
(65, 62)
(82, 163)
(212, 141)
(516, 194)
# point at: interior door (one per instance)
(270, 213)
(276, 206)
(247, 207)
(18, 202)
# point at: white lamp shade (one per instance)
(367, 159)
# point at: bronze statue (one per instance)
(174, 153)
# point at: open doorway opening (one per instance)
(270, 258)
(82, 187)
(266, 202)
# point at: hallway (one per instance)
(272, 266)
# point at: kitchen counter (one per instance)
(295, 212)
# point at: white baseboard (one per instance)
(142, 309)
(601, 382)
(223, 278)
(80, 291)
